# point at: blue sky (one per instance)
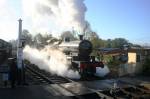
(128, 19)
(111, 19)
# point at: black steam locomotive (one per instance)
(83, 62)
(79, 53)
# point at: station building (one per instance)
(136, 59)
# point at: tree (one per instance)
(47, 38)
(67, 36)
(38, 38)
(94, 35)
(27, 36)
(96, 43)
(109, 43)
(119, 42)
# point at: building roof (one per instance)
(111, 50)
(116, 51)
(138, 49)
(4, 44)
(70, 44)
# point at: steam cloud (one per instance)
(56, 15)
(51, 60)
(102, 71)
(55, 62)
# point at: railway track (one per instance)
(43, 77)
(130, 92)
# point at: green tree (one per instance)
(109, 43)
(27, 36)
(119, 42)
(96, 43)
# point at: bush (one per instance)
(146, 67)
(111, 61)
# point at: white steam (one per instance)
(102, 71)
(51, 60)
(52, 15)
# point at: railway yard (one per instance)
(74, 49)
(42, 85)
(19, 79)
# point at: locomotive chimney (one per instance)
(81, 37)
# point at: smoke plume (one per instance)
(56, 15)
(51, 60)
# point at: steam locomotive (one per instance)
(83, 62)
(80, 58)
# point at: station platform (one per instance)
(52, 91)
(64, 91)
(28, 92)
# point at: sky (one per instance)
(129, 19)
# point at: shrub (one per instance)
(146, 67)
